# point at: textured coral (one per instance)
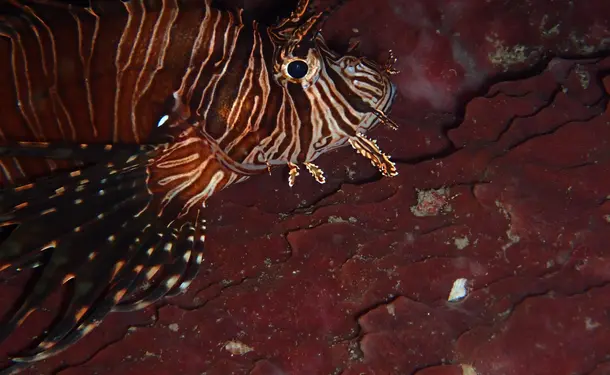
(353, 277)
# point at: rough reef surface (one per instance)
(503, 194)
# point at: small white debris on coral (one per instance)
(336, 219)
(590, 324)
(468, 370)
(431, 202)
(391, 309)
(459, 290)
(461, 242)
(237, 347)
(513, 239)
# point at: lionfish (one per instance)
(121, 118)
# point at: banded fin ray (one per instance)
(92, 301)
(103, 246)
(72, 233)
(68, 151)
(176, 255)
(110, 172)
(63, 205)
(194, 264)
(140, 243)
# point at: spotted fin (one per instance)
(82, 152)
(56, 216)
(176, 254)
(97, 230)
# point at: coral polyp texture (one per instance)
(487, 254)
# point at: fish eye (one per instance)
(297, 69)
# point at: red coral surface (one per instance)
(505, 128)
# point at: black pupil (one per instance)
(297, 69)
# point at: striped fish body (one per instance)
(112, 72)
(134, 114)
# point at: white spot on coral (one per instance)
(337, 219)
(513, 239)
(461, 242)
(459, 290)
(468, 370)
(546, 30)
(505, 56)
(583, 76)
(581, 45)
(237, 347)
(590, 324)
(174, 327)
(391, 309)
(431, 202)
